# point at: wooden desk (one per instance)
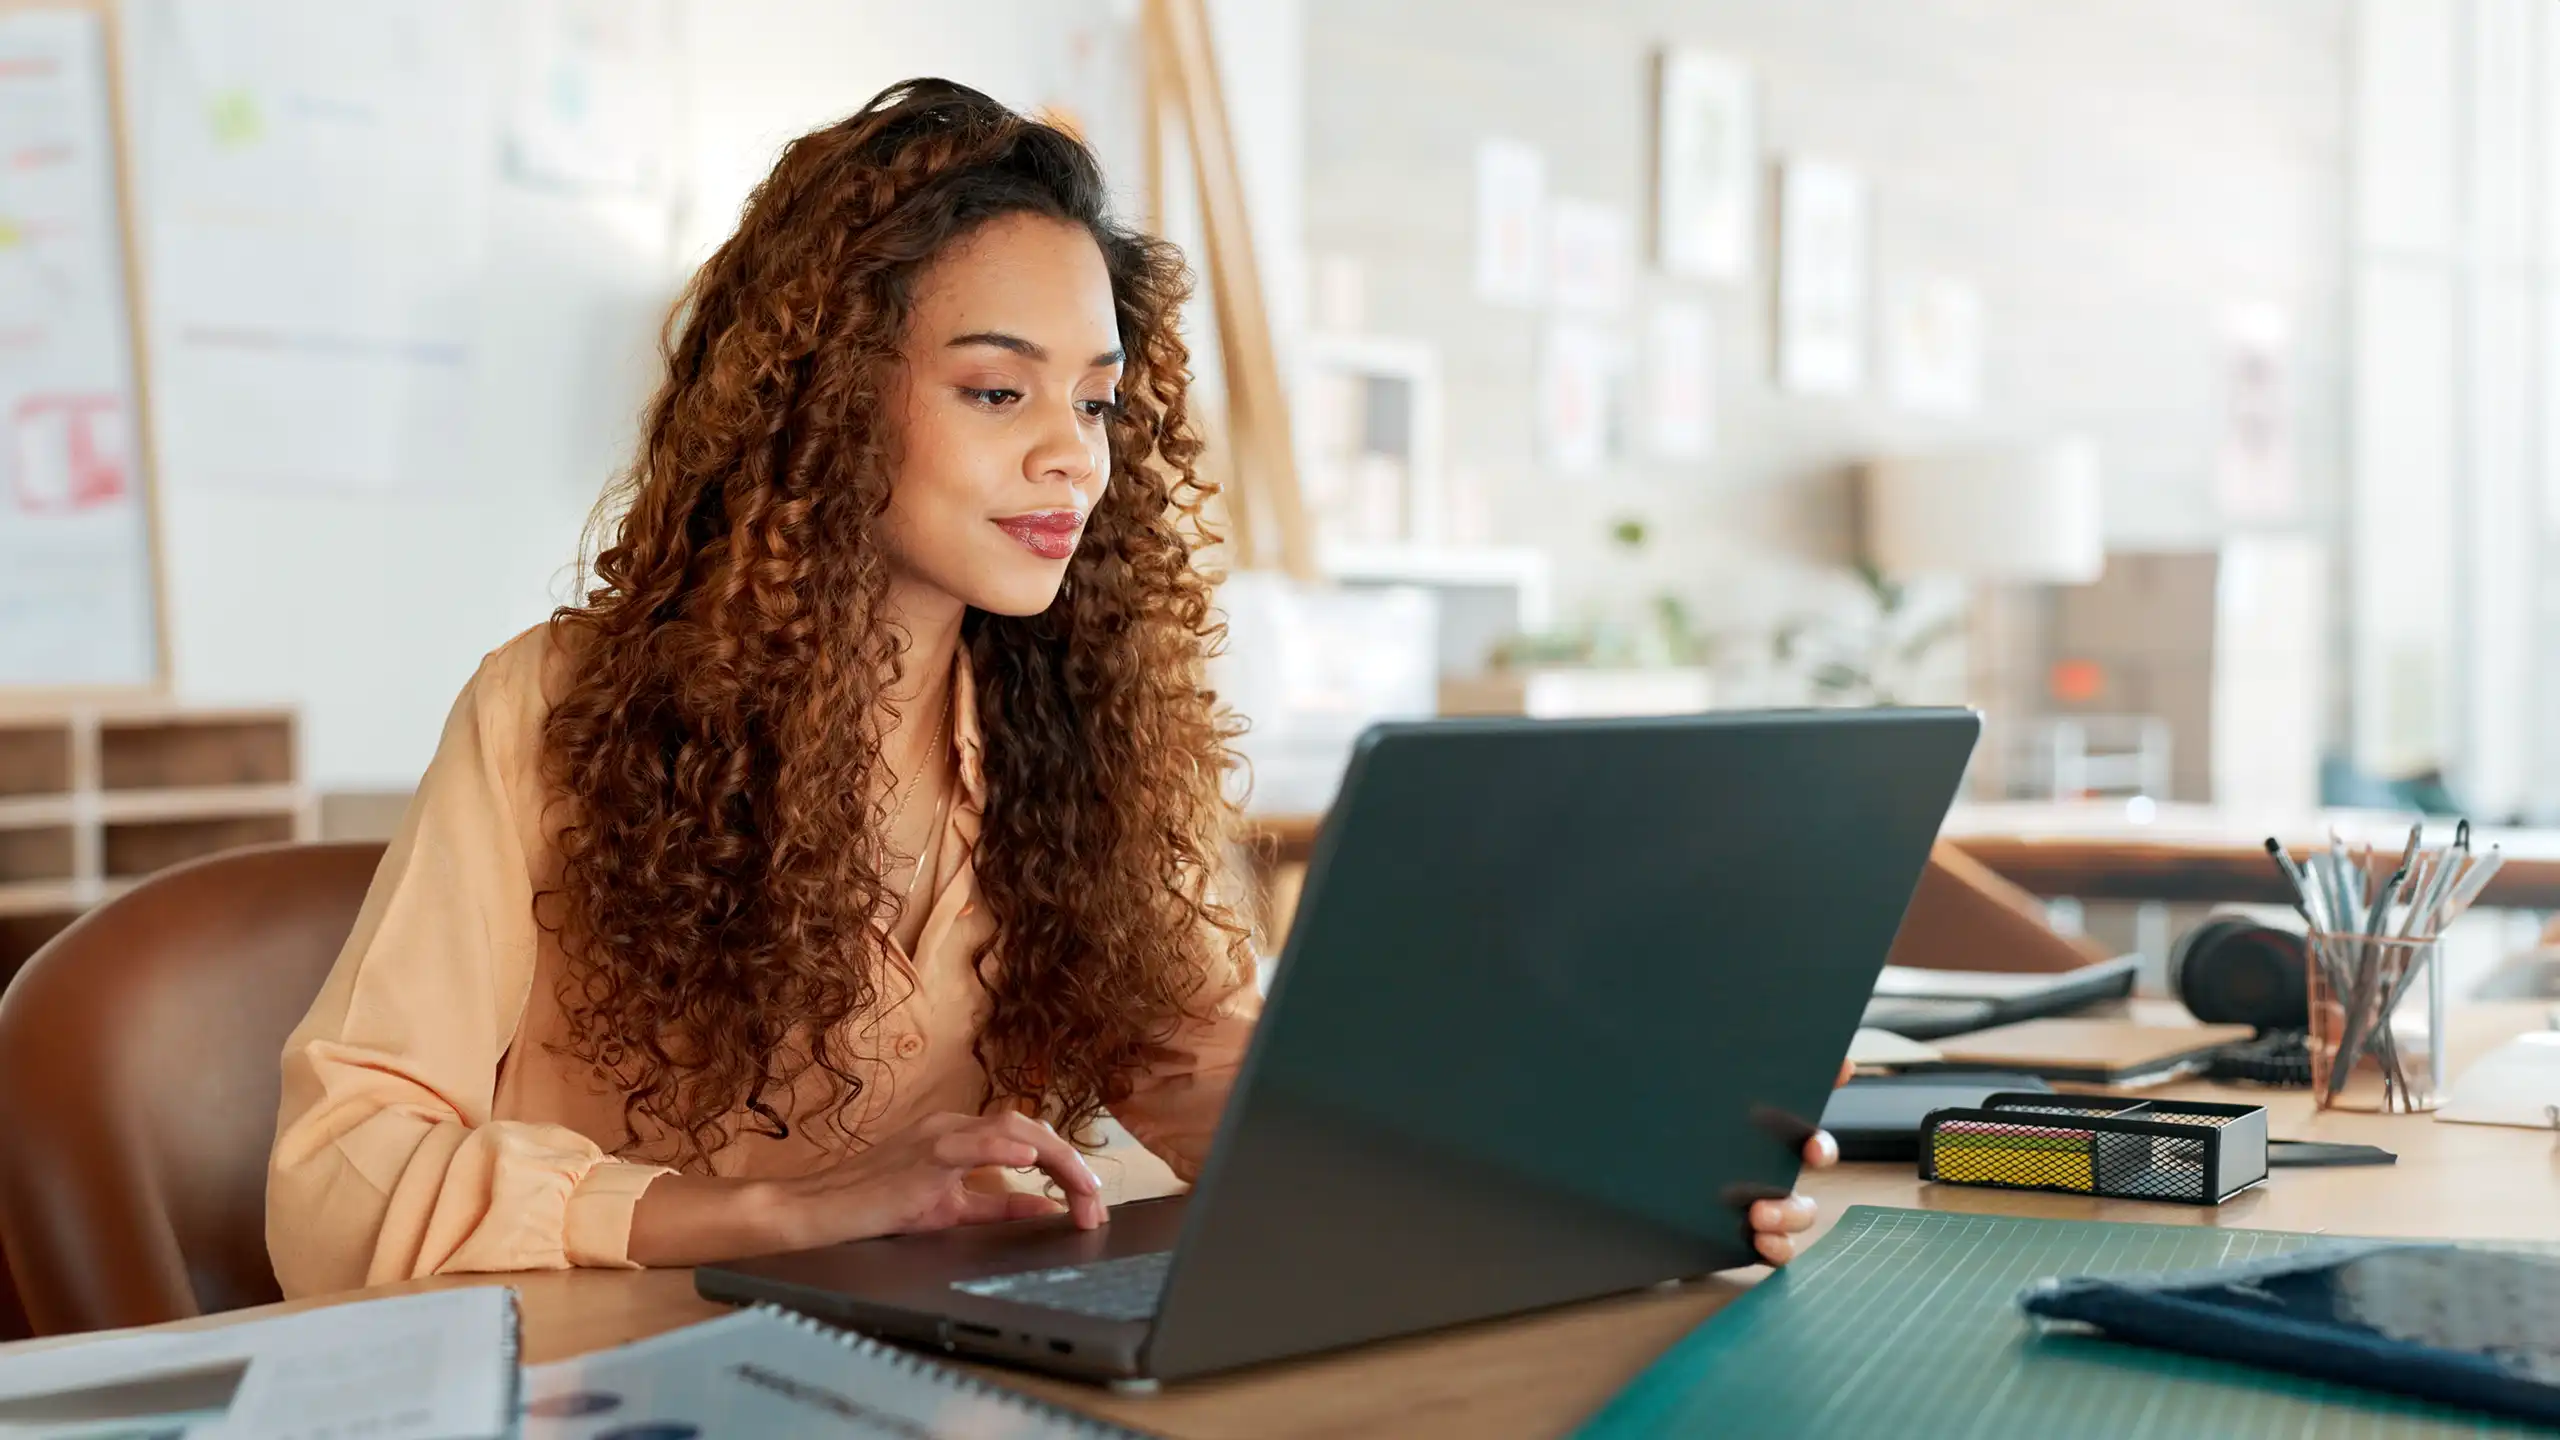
(2197, 854)
(2185, 853)
(1541, 1375)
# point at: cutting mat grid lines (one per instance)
(1905, 1323)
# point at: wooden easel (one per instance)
(1253, 451)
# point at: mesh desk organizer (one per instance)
(2191, 1151)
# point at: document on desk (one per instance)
(767, 1372)
(439, 1366)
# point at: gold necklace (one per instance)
(923, 763)
(932, 847)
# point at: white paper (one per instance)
(439, 1366)
(2254, 465)
(1680, 381)
(1511, 222)
(1591, 250)
(321, 171)
(1579, 371)
(76, 582)
(1933, 346)
(1707, 184)
(1822, 279)
(2516, 1084)
(1883, 1047)
(594, 103)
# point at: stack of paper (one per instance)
(440, 1366)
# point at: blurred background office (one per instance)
(2173, 379)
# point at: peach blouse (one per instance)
(428, 1122)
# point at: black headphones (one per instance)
(2233, 970)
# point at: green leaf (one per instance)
(1887, 591)
(1835, 678)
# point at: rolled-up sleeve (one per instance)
(1174, 1104)
(388, 1163)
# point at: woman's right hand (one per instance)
(917, 1180)
(912, 1181)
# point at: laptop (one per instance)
(1560, 1001)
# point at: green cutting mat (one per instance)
(1906, 1323)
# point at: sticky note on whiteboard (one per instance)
(69, 452)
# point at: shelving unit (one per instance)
(93, 799)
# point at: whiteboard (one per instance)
(79, 606)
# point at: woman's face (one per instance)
(1012, 362)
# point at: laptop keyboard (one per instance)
(1127, 1288)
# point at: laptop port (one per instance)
(1062, 1347)
(983, 1332)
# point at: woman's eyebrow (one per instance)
(1028, 349)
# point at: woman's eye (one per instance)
(992, 399)
(1098, 409)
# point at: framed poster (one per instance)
(1822, 278)
(1706, 166)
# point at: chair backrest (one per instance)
(139, 1080)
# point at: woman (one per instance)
(852, 843)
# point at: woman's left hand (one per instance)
(1776, 1223)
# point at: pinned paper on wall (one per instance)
(2254, 466)
(1580, 368)
(1822, 278)
(1933, 345)
(1680, 390)
(593, 109)
(1511, 222)
(1707, 166)
(1591, 250)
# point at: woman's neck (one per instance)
(930, 621)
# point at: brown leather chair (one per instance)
(13, 1319)
(139, 1079)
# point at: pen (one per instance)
(2299, 882)
(2345, 911)
(2351, 1043)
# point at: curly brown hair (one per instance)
(717, 753)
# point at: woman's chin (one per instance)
(1020, 596)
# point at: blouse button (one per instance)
(910, 1045)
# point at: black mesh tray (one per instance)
(2191, 1151)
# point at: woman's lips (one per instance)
(1049, 534)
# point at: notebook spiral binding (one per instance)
(1071, 1422)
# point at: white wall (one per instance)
(2111, 175)
(369, 610)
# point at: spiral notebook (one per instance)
(770, 1372)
